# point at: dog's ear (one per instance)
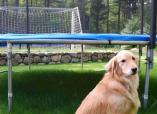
(109, 67)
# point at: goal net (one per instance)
(39, 20)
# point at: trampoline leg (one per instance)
(148, 66)
(140, 54)
(29, 61)
(9, 57)
(82, 56)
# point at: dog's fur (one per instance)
(117, 92)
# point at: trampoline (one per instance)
(84, 38)
(65, 38)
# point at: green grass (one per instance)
(77, 66)
(59, 49)
(59, 89)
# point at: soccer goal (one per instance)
(39, 20)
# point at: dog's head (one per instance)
(124, 64)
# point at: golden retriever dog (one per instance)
(117, 92)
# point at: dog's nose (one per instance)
(134, 70)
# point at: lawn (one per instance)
(59, 89)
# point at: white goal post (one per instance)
(41, 20)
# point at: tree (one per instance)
(97, 16)
(115, 15)
(47, 3)
(4, 2)
(133, 27)
(119, 15)
(129, 7)
(16, 2)
(108, 13)
(83, 14)
(142, 15)
(70, 3)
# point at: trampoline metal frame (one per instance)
(9, 57)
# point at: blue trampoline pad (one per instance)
(68, 36)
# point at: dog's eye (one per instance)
(133, 58)
(123, 60)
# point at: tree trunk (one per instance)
(3, 2)
(31, 3)
(91, 15)
(97, 17)
(47, 3)
(83, 14)
(108, 13)
(142, 15)
(129, 9)
(17, 3)
(63, 4)
(36, 4)
(6, 2)
(119, 14)
(75, 3)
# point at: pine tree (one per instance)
(97, 15)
